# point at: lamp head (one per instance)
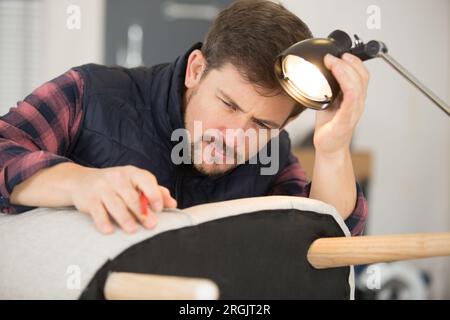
(301, 71)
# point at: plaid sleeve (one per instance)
(38, 132)
(292, 180)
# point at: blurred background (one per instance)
(401, 148)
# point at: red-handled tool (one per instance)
(144, 205)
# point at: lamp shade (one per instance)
(301, 71)
(301, 62)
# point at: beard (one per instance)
(212, 158)
(209, 153)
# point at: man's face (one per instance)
(228, 119)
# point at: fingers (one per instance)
(146, 182)
(353, 78)
(358, 65)
(158, 196)
(131, 197)
(168, 200)
(346, 75)
(119, 212)
(101, 219)
(119, 198)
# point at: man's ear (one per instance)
(196, 65)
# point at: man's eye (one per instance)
(228, 105)
(261, 125)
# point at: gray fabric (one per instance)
(39, 248)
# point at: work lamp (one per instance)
(301, 71)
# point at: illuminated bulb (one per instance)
(306, 79)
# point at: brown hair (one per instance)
(250, 34)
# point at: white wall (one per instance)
(408, 136)
(36, 44)
(447, 292)
(65, 48)
(20, 50)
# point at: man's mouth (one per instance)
(219, 151)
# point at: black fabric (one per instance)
(259, 255)
(128, 119)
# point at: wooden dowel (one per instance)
(136, 286)
(345, 251)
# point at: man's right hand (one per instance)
(114, 194)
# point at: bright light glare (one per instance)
(306, 79)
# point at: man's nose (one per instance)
(233, 137)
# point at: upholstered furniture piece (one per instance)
(273, 247)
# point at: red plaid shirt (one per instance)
(38, 132)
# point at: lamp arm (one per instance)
(377, 49)
(415, 82)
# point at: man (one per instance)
(97, 136)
